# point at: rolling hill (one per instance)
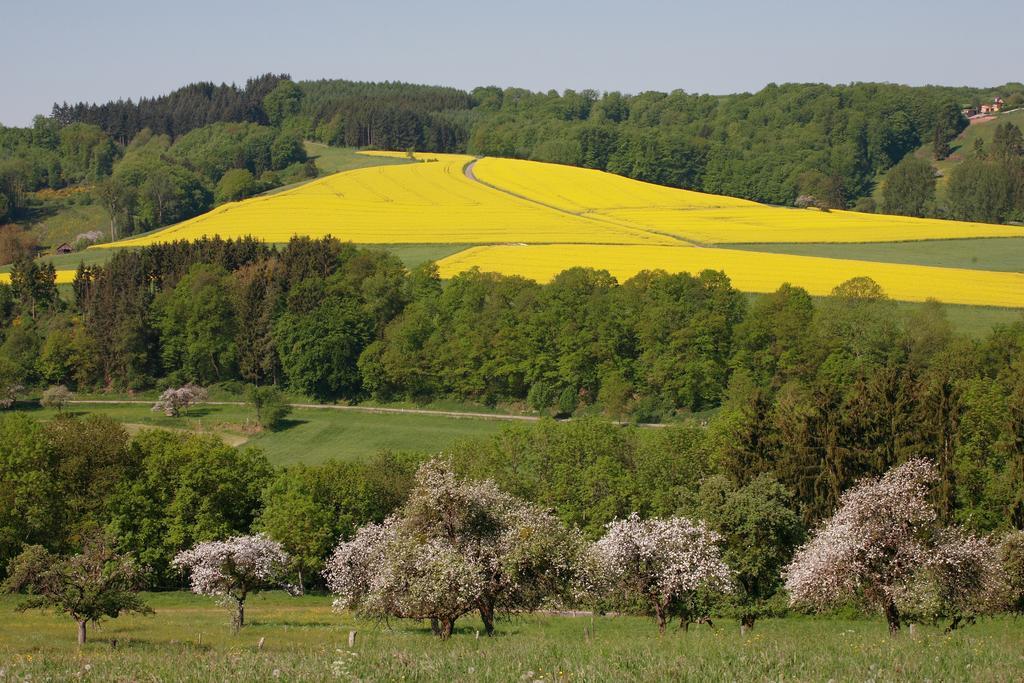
(536, 219)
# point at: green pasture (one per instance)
(291, 639)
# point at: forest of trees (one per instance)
(811, 394)
(156, 162)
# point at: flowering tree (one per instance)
(661, 562)
(173, 401)
(1011, 555)
(455, 547)
(57, 397)
(233, 568)
(9, 392)
(883, 547)
(961, 577)
(96, 583)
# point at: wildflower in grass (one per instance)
(234, 568)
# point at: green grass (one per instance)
(336, 159)
(72, 261)
(311, 435)
(413, 255)
(61, 221)
(998, 253)
(189, 638)
(330, 160)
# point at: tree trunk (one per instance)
(892, 615)
(446, 628)
(240, 615)
(302, 588)
(747, 621)
(487, 615)
(659, 613)
(81, 631)
(954, 624)
(435, 626)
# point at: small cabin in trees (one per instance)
(63, 248)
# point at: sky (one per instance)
(97, 51)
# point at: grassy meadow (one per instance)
(189, 638)
(1005, 254)
(310, 435)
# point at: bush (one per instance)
(541, 396)
(56, 397)
(271, 408)
(238, 183)
(567, 401)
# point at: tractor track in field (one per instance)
(468, 172)
(455, 414)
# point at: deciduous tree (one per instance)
(234, 568)
(661, 563)
(98, 582)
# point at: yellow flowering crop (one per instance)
(579, 217)
(708, 218)
(749, 271)
(64, 277)
(431, 202)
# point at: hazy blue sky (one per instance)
(96, 51)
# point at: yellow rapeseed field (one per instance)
(707, 218)
(64, 277)
(430, 202)
(536, 219)
(749, 271)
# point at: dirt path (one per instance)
(357, 409)
(456, 414)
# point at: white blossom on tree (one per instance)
(57, 397)
(661, 562)
(1011, 557)
(455, 547)
(173, 402)
(961, 578)
(9, 394)
(884, 548)
(233, 568)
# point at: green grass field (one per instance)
(311, 435)
(999, 254)
(189, 638)
(72, 261)
(335, 159)
(62, 221)
(413, 255)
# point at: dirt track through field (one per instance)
(456, 414)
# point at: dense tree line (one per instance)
(228, 144)
(192, 106)
(785, 141)
(812, 394)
